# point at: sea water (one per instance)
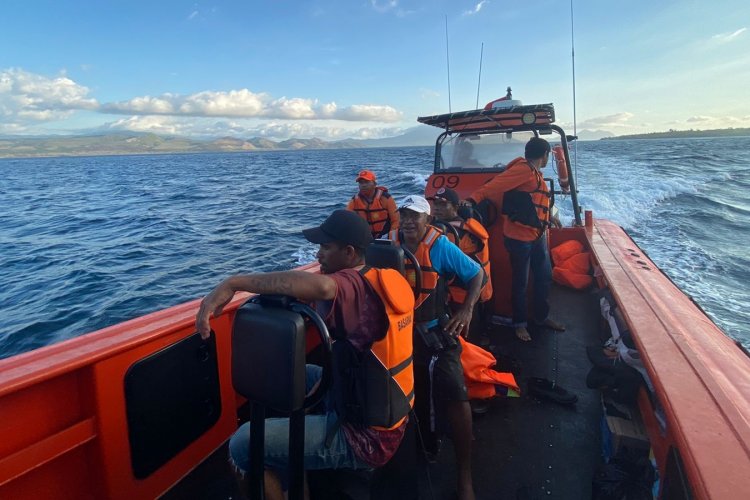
(88, 242)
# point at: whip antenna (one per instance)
(448, 64)
(575, 123)
(479, 80)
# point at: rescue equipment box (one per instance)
(627, 433)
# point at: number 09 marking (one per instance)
(442, 181)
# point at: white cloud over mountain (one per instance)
(27, 100)
(246, 104)
(277, 130)
(28, 97)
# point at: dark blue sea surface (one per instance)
(88, 242)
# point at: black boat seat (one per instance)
(384, 254)
(268, 356)
(268, 368)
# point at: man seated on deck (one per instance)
(526, 216)
(438, 373)
(374, 204)
(356, 314)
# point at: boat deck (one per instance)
(524, 448)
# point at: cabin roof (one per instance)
(491, 120)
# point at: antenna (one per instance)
(479, 80)
(448, 63)
(575, 123)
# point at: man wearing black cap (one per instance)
(355, 313)
(473, 240)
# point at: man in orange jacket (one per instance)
(374, 204)
(526, 216)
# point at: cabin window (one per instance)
(485, 152)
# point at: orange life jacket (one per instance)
(474, 242)
(482, 381)
(374, 212)
(524, 209)
(376, 388)
(431, 302)
(572, 265)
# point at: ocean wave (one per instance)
(138, 234)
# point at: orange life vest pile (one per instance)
(572, 266)
(482, 382)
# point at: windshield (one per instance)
(474, 152)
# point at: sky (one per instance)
(337, 69)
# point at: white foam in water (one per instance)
(631, 192)
(418, 179)
(305, 254)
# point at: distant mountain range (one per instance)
(719, 132)
(124, 143)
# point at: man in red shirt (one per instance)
(355, 313)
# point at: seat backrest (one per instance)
(385, 254)
(268, 354)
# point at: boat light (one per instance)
(528, 118)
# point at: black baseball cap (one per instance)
(448, 195)
(342, 226)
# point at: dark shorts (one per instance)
(447, 374)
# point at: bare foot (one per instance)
(523, 334)
(553, 325)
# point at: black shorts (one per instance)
(447, 374)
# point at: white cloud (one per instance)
(388, 6)
(192, 15)
(245, 129)
(28, 101)
(233, 103)
(368, 113)
(476, 8)
(156, 124)
(246, 104)
(715, 122)
(28, 97)
(728, 37)
(615, 120)
(384, 6)
(425, 93)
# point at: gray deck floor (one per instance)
(524, 448)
